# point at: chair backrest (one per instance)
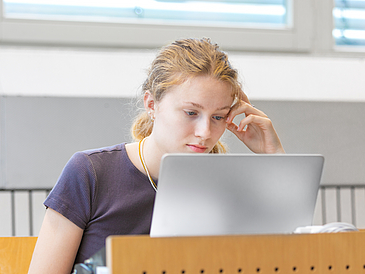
(16, 254)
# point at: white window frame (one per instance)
(324, 43)
(40, 32)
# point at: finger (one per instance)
(233, 128)
(243, 107)
(244, 97)
(262, 122)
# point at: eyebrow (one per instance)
(201, 107)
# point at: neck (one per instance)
(152, 156)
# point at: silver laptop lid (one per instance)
(206, 194)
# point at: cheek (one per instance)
(221, 129)
(173, 124)
(182, 127)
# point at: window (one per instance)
(235, 24)
(349, 18)
(234, 13)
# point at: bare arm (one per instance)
(57, 245)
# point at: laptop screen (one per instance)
(228, 194)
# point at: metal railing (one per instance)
(355, 207)
(29, 208)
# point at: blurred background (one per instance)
(71, 71)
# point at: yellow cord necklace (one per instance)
(140, 151)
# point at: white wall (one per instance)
(119, 73)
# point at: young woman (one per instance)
(190, 97)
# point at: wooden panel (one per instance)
(310, 253)
(16, 254)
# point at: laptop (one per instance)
(228, 194)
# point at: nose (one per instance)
(203, 128)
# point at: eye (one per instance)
(218, 118)
(190, 113)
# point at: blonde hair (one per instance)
(177, 62)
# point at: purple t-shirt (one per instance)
(103, 193)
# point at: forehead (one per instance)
(201, 89)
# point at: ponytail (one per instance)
(142, 127)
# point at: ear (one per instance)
(149, 103)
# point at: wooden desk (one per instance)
(305, 253)
(16, 254)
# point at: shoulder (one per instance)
(89, 162)
(99, 154)
(80, 180)
(103, 151)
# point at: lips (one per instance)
(197, 148)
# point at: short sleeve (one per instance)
(73, 193)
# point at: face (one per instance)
(191, 117)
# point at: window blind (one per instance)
(349, 22)
(231, 13)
